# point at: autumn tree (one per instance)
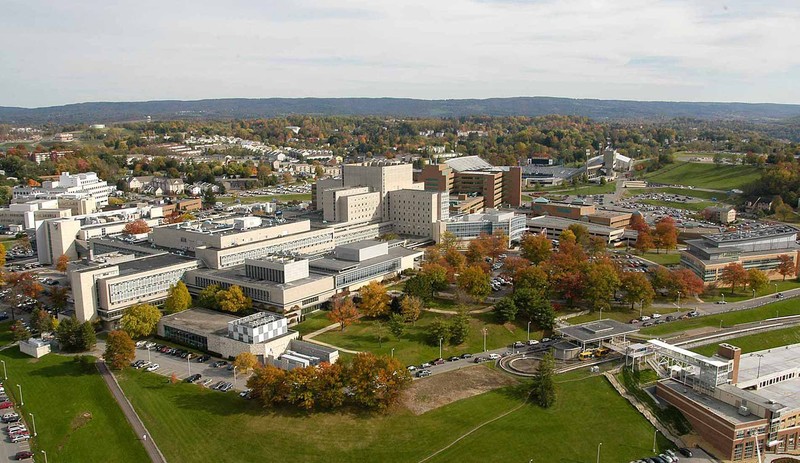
(329, 385)
(208, 297)
(136, 227)
(374, 300)
(636, 288)
(233, 299)
(734, 275)
(491, 245)
(437, 275)
(268, 385)
(245, 361)
(178, 298)
(61, 264)
(41, 320)
(120, 349)
(665, 235)
(602, 283)
(343, 312)
(644, 241)
(638, 223)
(786, 266)
(140, 320)
(532, 277)
(22, 284)
(514, 264)
(475, 282)
(685, 281)
(2, 256)
(757, 280)
(536, 248)
(410, 309)
(376, 382)
(581, 233)
(783, 211)
(475, 252)
(20, 332)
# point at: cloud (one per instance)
(639, 49)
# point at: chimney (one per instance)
(730, 352)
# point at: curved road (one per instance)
(130, 414)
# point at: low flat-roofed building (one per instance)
(720, 214)
(468, 227)
(466, 204)
(613, 219)
(736, 401)
(759, 249)
(554, 226)
(596, 332)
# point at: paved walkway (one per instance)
(330, 327)
(130, 414)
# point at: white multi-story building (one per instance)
(83, 184)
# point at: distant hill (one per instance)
(518, 106)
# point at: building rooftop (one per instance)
(468, 163)
(747, 235)
(550, 171)
(203, 320)
(725, 411)
(152, 262)
(330, 264)
(598, 330)
(361, 244)
(768, 362)
(549, 221)
(257, 319)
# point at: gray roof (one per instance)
(466, 163)
(597, 330)
(550, 171)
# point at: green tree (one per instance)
(120, 349)
(68, 334)
(411, 309)
(87, 338)
(41, 320)
(374, 300)
(140, 320)
(419, 286)
(208, 297)
(637, 288)
(437, 276)
(757, 280)
(543, 388)
(233, 300)
(506, 310)
(178, 298)
(475, 282)
(20, 332)
(459, 328)
(531, 277)
(535, 307)
(438, 329)
(268, 385)
(397, 324)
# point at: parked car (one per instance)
(425, 365)
(193, 378)
(423, 373)
(6, 404)
(532, 342)
(518, 344)
(656, 315)
(23, 455)
(411, 368)
(16, 439)
(644, 318)
(494, 356)
(466, 356)
(153, 367)
(685, 452)
(453, 358)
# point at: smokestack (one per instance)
(734, 353)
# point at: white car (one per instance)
(644, 318)
(656, 315)
(532, 342)
(494, 356)
(153, 367)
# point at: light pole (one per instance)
(485, 332)
(655, 431)
(148, 355)
(392, 351)
(529, 330)
(758, 372)
(21, 400)
(234, 376)
(598, 451)
(45, 456)
(641, 308)
(440, 347)
(754, 294)
(679, 299)
(723, 297)
(776, 286)
(189, 365)
(5, 373)
(33, 422)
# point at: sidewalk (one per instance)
(130, 414)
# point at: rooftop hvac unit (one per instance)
(744, 411)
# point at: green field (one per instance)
(77, 419)
(776, 309)
(742, 294)
(663, 258)
(756, 342)
(193, 424)
(722, 177)
(313, 322)
(264, 199)
(411, 347)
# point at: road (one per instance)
(130, 414)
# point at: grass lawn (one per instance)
(663, 258)
(780, 308)
(756, 342)
(723, 177)
(708, 195)
(77, 419)
(715, 295)
(263, 199)
(411, 347)
(313, 322)
(527, 198)
(696, 206)
(192, 424)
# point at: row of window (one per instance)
(777, 379)
(143, 287)
(366, 273)
(293, 245)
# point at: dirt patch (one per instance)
(430, 393)
(80, 420)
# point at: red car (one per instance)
(6, 404)
(24, 455)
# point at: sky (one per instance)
(58, 52)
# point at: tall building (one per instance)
(77, 185)
(472, 175)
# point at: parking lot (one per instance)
(183, 368)
(8, 449)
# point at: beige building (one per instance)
(415, 212)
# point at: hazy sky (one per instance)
(56, 52)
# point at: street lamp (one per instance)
(5, 373)
(189, 365)
(529, 330)
(598, 451)
(723, 297)
(392, 351)
(33, 422)
(776, 286)
(641, 308)
(440, 347)
(45, 456)
(485, 332)
(758, 372)
(21, 400)
(655, 431)
(679, 299)
(234, 375)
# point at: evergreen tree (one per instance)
(543, 390)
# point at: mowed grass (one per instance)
(313, 322)
(77, 419)
(742, 294)
(663, 258)
(411, 348)
(192, 424)
(776, 309)
(756, 342)
(264, 199)
(722, 177)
